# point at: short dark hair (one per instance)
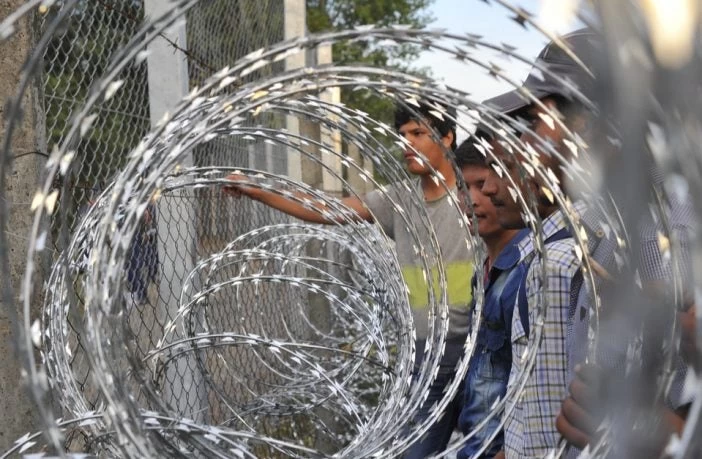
(468, 153)
(569, 108)
(404, 114)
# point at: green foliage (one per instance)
(330, 15)
(325, 15)
(223, 31)
(73, 60)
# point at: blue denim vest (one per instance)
(500, 297)
(489, 368)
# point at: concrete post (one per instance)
(354, 178)
(331, 184)
(295, 25)
(16, 406)
(168, 84)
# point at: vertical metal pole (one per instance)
(168, 83)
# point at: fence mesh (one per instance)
(188, 224)
(180, 322)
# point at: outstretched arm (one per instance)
(241, 185)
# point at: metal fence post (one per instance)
(295, 24)
(168, 83)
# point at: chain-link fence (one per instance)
(219, 33)
(187, 224)
(179, 322)
(75, 57)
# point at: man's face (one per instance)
(485, 213)
(507, 210)
(418, 134)
(544, 130)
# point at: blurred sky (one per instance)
(494, 23)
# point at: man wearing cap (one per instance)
(603, 387)
(530, 425)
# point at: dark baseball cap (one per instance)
(582, 43)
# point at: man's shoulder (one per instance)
(563, 257)
(392, 188)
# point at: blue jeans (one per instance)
(439, 434)
(486, 381)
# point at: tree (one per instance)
(76, 56)
(330, 15)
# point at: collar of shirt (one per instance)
(550, 226)
(594, 221)
(510, 256)
(417, 183)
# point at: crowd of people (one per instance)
(539, 290)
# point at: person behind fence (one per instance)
(417, 126)
(530, 430)
(488, 372)
(142, 264)
(530, 427)
(599, 387)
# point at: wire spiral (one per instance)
(331, 371)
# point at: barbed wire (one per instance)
(331, 369)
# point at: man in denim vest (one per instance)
(488, 373)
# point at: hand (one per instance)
(575, 422)
(240, 186)
(688, 339)
(582, 412)
(147, 217)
